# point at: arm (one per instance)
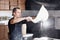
(24, 27)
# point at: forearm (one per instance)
(24, 29)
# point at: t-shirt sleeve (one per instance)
(9, 27)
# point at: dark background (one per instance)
(36, 4)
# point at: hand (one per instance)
(29, 18)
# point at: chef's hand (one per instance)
(29, 19)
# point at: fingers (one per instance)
(29, 18)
